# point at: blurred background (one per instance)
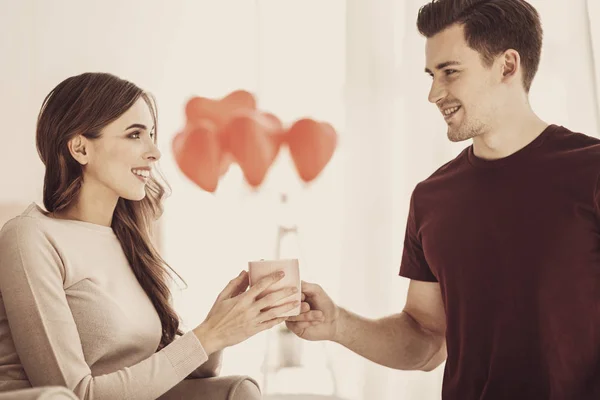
(356, 64)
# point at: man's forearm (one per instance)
(397, 341)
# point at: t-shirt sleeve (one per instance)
(45, 335)
(413, 264)
(597, 199)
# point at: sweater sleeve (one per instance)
(45, 335)
(210, 369)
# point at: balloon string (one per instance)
(258, 42)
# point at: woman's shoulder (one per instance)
(25, 227)
(37, 222)
(28, 246)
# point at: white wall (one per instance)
(302, 59)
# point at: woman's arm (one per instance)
(45, 335)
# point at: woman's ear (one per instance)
(77, 148)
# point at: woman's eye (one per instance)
(134, 135)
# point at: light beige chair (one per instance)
(44, 393)
(220, 388)
(300, 397)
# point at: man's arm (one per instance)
(411, 340)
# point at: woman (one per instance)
(85, 296)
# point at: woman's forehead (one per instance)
(138, 114)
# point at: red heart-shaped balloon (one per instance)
(199, 108)
(239, 99)
(198, 154)
(248, 137)
(219, 111)
(275, 129)
(311, 145)
(226, 161)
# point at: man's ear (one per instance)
(510, 65)
(77, 148)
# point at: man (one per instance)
(502, 243)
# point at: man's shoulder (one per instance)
(449, 170)
(574, 151)
(572, 139)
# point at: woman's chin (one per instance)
(134, 196)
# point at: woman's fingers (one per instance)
(263, 284)
(272, 298)
(242, 285)
(276, 312)
(271, 323)
(234, 287)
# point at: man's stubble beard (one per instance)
(465, 131)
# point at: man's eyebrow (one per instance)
(443, 65)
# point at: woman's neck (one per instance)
(90, 207)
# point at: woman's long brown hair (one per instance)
(84, 104)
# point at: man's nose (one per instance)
(437, 92)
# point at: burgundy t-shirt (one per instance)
(515, 246)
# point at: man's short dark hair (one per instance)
(491, 27)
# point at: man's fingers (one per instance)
(314, 315)
(310, 289)
(299, 327)
(305, 307)
(293, 326)
(303, 297)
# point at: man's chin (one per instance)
(458, 136)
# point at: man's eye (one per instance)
(450, 71)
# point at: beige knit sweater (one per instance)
(73, 314)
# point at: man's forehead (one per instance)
(448, 43)
(447, 46)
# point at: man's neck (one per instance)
(508, 137)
